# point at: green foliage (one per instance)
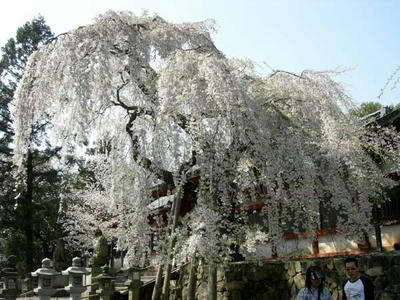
(365, 109)
(17, 51)
(15, 54)
(29, 204)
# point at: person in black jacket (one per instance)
(357, 286)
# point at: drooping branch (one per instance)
(144, 162)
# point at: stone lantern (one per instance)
(46, 276)
(133, 283)
(75, 274)
(106, 284)
(9, 287)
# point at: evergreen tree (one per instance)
(365, 109)
(28, 205)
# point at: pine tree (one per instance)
(28, 204)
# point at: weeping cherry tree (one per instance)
(173, 108)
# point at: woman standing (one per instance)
(314, 289)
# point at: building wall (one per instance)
(328, 244)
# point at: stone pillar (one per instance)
(75, 275)
(27, 285)
(106, 284)
(133, 283)
(9, 288)
(98, 259)
(133, 289)
(92, 283)
(46, 276)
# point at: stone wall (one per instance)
(281, 280)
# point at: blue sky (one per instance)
(362, 36)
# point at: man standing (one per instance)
(357, 286)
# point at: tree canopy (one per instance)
(171, 107)
(28, 202)
(365, 109)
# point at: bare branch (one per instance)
(275, 72)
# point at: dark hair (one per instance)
(396, 246)
(351, 259)
(314, 271)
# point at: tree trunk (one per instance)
(192, 279)
(366, 246)
(111, 256)
(315, 244)
(28, 214)
(176, 210)
(157, 284)
(212, 282)
(273, 226)
(377, 224)
(167, 277)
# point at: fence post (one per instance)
(9, 288)
(46, 276)
(75, 275)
